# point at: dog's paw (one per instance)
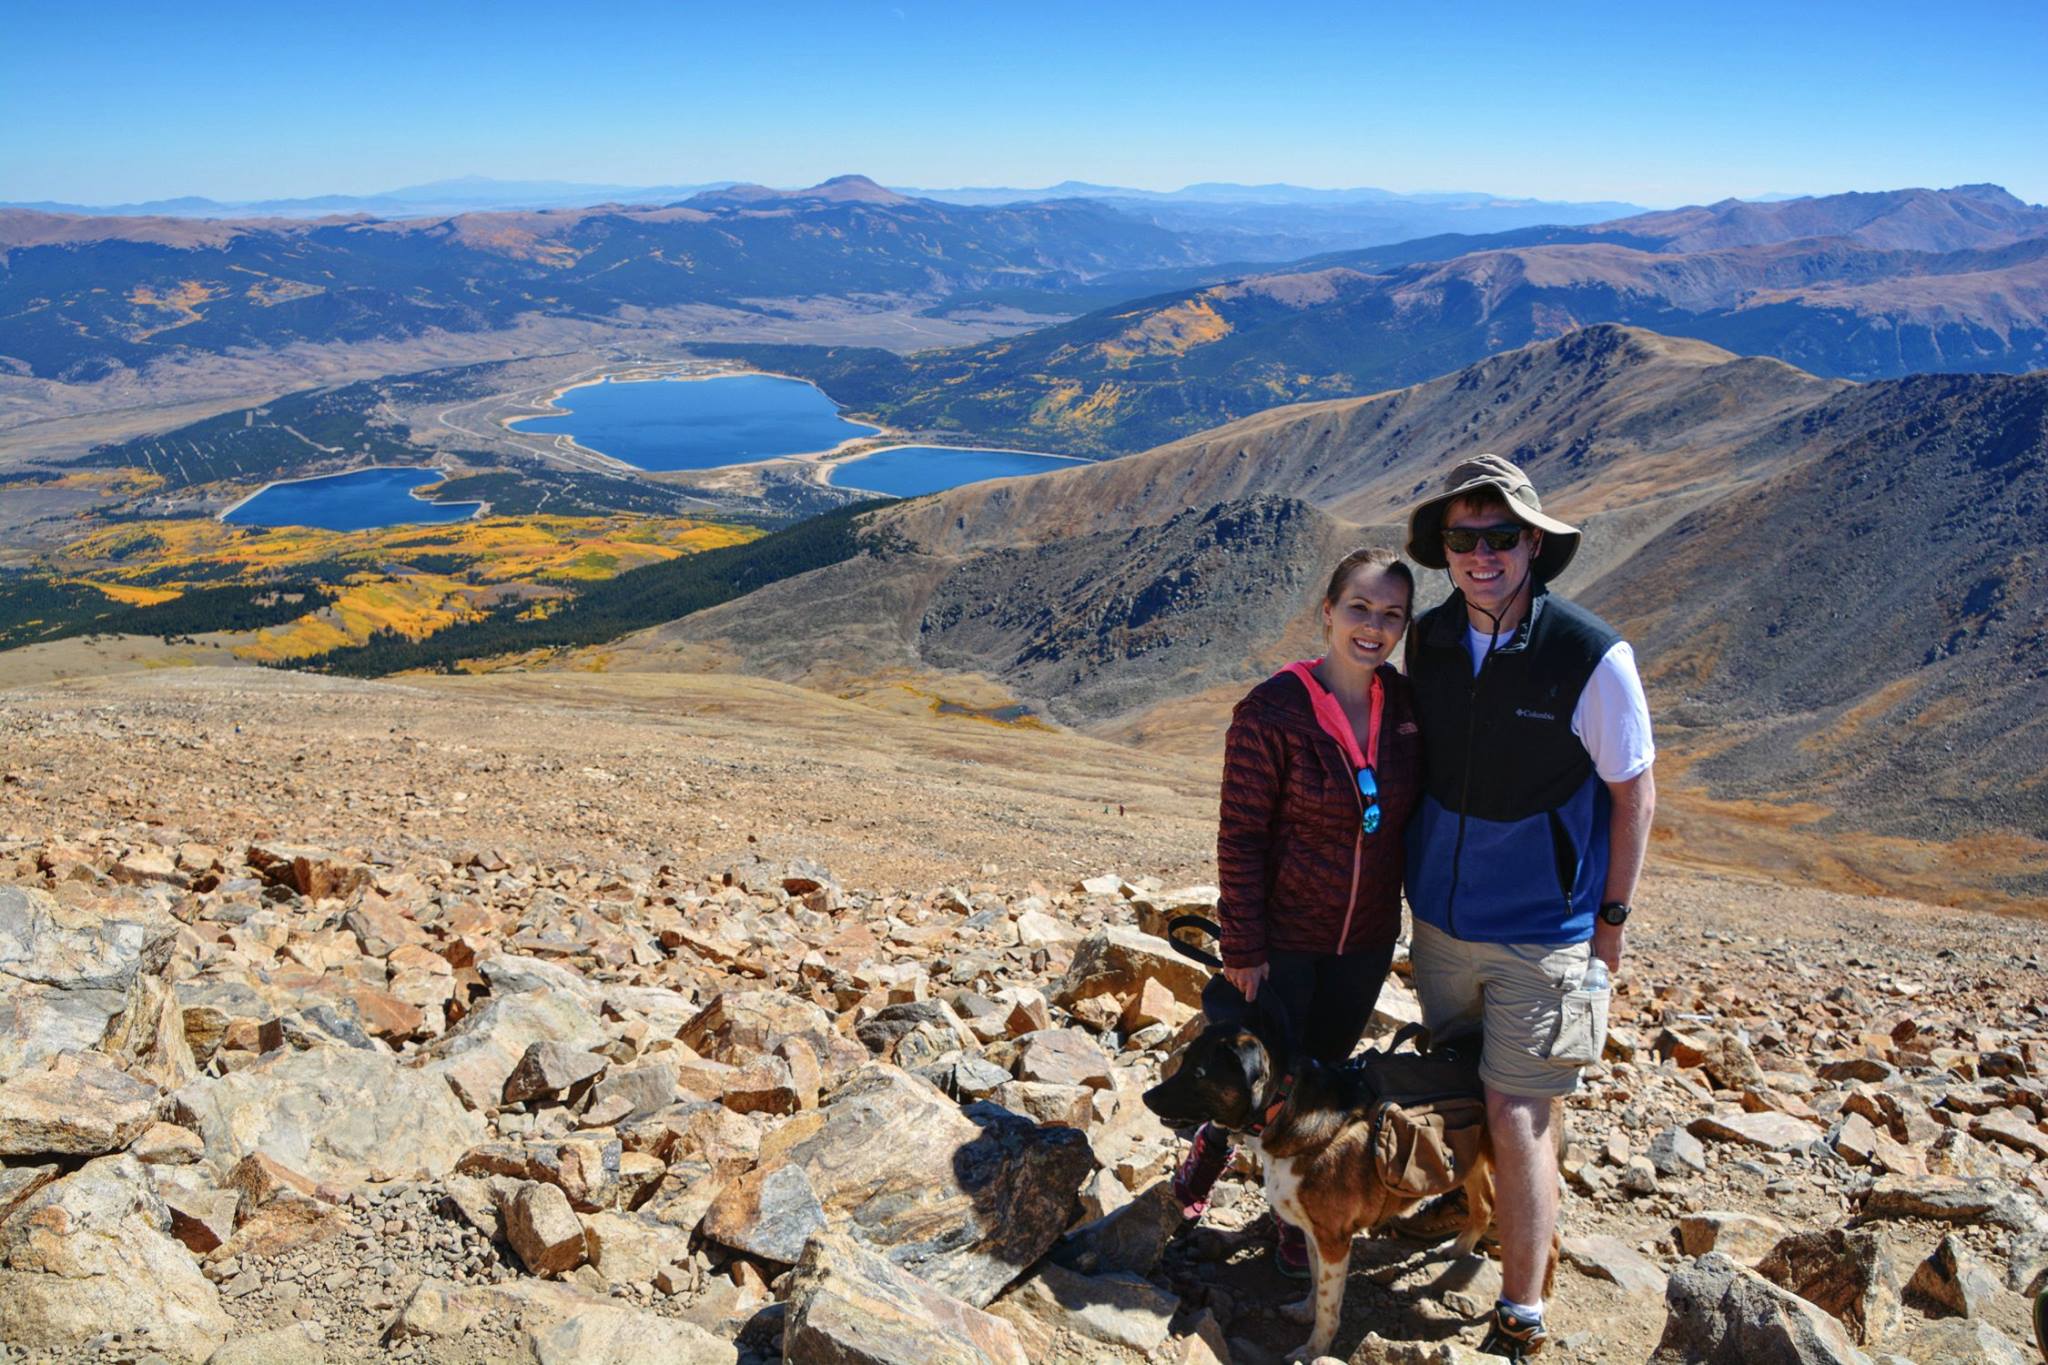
(1303, 1311)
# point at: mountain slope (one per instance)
(1836, 590)
(1908, 282)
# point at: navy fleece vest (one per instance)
(1510, 842)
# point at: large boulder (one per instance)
(335, 1113)
(478, 1056)
(1850, 1274)
(616, 1335)
(849, 1306)
(1116, 961)
(967, 1201)
(78, 1105)
(1718, 1313)
(37, 1022)
(44, 941)
(91, 1254)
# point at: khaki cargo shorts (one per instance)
(1540, 1027)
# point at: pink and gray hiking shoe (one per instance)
(1290, 1257)
(1200, 1169)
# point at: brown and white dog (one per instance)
(1310, 1131)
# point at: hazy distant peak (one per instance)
(853, 189)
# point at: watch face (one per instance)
(1614, 914)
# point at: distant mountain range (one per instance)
(80, 297)
(1857, 286)
(1832, 586)
(474, 192)
(1221, 222)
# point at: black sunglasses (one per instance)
(1463, 540)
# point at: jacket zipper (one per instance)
(1357, 855)
(1357, 861)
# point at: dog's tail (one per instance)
(1186, 949)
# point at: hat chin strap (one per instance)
(1494, 616)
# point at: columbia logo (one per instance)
(1526, 714)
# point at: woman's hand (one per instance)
(1246, 979)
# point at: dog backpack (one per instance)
(1427, 1112)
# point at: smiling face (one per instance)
(1366, 618)
(1491, 579)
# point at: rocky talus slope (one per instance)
(323, 1095)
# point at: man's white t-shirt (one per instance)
(1612, 718)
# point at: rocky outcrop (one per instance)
(92, 1253)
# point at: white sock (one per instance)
(1532, 1312)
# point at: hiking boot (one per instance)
(1207, 1157)
(1513, 1335)
(1291, 1255)
(2041, 1322)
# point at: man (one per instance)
(1524, 853)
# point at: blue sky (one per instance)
(1656, 105)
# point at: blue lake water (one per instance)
(698, 423)
(907, 471)
(356, 501)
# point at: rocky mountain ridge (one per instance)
(405, 1098)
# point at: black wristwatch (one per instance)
(1614, 912)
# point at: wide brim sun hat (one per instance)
(1480, 472)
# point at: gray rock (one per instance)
(647, 1089)
(1952, 1278)
(849, 1306)
(1610, 1258)
(334, 1113)
(77, 1105)
(56, 945)
(1131, 1238)
(91, 1254)
(1116, 1310)
(1064, 1056)
(770, 1213)
(549, 1069)
(1718, 1313)
(478, 1055)
(609, 1334)
(1677, 1154)
(1960, 1339)
(960, 1199)
(1847, 1273)
(1949, 1200)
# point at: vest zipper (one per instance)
(1464, 792)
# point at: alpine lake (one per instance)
(658, 424)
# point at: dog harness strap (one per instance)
(1281, 1094)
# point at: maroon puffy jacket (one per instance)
(1289, 834)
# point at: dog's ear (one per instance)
(1253, 1058)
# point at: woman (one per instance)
(1322, 766)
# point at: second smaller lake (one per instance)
(357, 501)
(907, 471)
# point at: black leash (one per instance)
(1189, 950)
